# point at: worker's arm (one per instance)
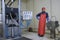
(47, 16)
(38, 16)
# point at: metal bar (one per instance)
(19, 11)
(8, 2)
(3, 14)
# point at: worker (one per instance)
(43, 11)
(40, 26)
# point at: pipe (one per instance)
(12, 0)
(3, 14)
(19, 11)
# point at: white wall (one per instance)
(56, 9)
(30, 5)
(23, 5)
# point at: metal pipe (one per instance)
(19, 11)
(3, 14)
(12, 0)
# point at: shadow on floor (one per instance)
(23, 38)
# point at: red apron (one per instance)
(42, 23)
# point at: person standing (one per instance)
(42, 16)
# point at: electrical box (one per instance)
(27, 15)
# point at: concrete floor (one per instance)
(34, 36)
